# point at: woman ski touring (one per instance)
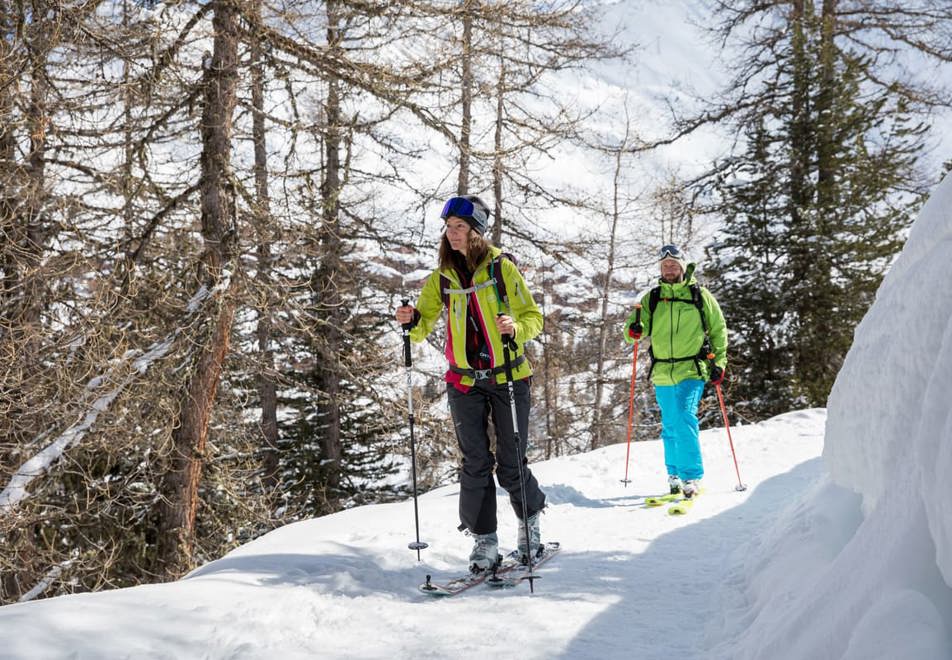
(488, 306)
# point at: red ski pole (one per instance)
(631, 396)
(720, 397)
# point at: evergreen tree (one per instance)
(814, 205)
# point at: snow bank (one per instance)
(860, 567)
(889, 427)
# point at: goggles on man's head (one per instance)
(463, 208)
(670, 252)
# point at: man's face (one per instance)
(671, 270)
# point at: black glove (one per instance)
(635, 330)
(717, 375)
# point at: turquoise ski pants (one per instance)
(679, 427)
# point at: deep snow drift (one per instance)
(877, 584)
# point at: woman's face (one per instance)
(457, 233)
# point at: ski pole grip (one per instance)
(405, 302)
(508, 339)
(407, 359)
(638, 313)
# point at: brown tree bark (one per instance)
(466, 101)
(25, 232)
(801, 259)
(498, 165)
(181, 484)
(603, 326)
(826, 150)
(329, 275)
(267, 390)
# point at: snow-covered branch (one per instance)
(16, 489)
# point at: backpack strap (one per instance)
(653, 298)
(496, 264)
(445, 290)
(473, 289)
(705, 353)
(497, 282)
(699, 303)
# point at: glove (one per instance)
(717, 375)
(634, 331)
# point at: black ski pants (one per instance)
(471, 413)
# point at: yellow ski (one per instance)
(684, 505)
(658, 500)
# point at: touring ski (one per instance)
(508, 565)
(681, 507)
(684, 505)
(521, 572)
(658, 500)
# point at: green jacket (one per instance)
(677, 332)
(526, 316)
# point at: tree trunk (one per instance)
(267, 390)
(826, 147)
(8, 167)
(497, 152)
(177, 537)
(32, 233)
(329, 276)
(26, 233)
(596, 432)
(800, 148)
(547, 378)
(466, 100)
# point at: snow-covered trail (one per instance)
(630, 582)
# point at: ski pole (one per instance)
(408, 361)
(720, 397)
(507, 341)
(631, 397)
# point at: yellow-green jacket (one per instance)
(677, 331)
(527, 319)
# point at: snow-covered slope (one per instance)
(630, 583)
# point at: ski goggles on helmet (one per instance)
(670, 252)
(464, 208)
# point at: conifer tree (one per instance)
(814, 204)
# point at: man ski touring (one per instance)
(486, 298)
(688, 347)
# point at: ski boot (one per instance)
(485, 554)
(535, 538)
(690, 488)
(674, 484)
